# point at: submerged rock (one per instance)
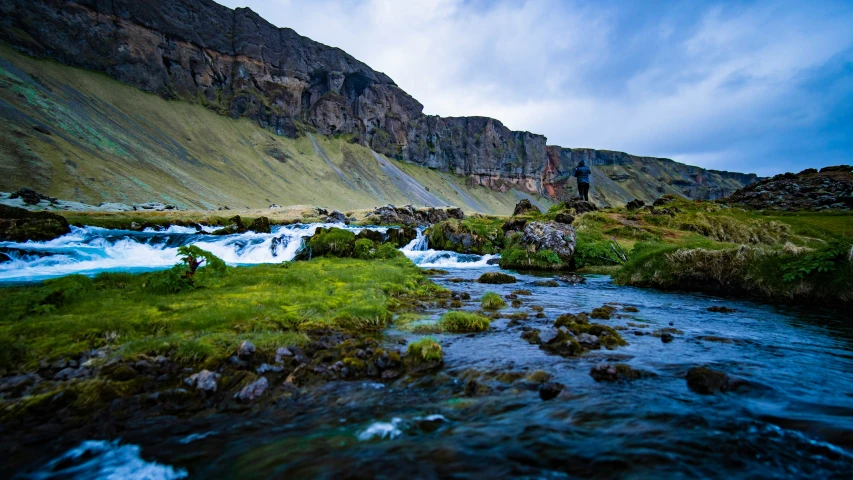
(572, 279)
(550, 390)
(706, 381)
(606, 372)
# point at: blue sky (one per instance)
(763, 87)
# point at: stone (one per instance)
(606, 372)
(514, 225)
(496, 278)
(20, 225)
(524, 207)
(564, 217)
(282, 353)
(666, 337)
(252, 391)
(579, 206)
(706, 381)
(721, 309)
(550, 390)
(204, 380)
(336, 217)
(635, 204)
(260, 225)
(546, 283)
(588, 340)
(572, 279)
(246, 349)
(408, 215)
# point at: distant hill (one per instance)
(234, 64)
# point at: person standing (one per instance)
(582, 173)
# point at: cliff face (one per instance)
(237, 64)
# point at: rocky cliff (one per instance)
(237, 64)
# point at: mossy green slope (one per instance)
(79, 135)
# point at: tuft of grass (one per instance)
(492, 301)
(426, 349)
(458, 321)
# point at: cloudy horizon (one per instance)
(743, 86)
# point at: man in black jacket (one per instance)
(582, 173)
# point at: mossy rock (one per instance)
(20, 225)
(616, 373)
(603, 313)
(458, 321)
(335, 242)
(496, 278)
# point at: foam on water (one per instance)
(91, 250)
(382, 430)
(98, 459)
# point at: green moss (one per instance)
(335, 242)
(492, 301)
(459, 321)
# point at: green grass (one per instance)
(492, 301)
(458, 321)
(426, 349)
(271, 305)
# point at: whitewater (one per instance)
(92, 250)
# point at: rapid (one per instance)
(792, 419)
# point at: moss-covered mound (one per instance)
(478, 235)
(20, 225)
(458, 321)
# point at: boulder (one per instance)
(635, 204)
(408, 215)
(496, 278)
(204, 380)
(20, 225)
(260, 225)
(572, 279)
(564, 217)
(550, 390)
(514, 225)
(606, 372)
(524, 207)
(31, 197)
(252, 391)
(543, 245)
(336, 217)
(706, 381)
(579, 206)
(246, 349)
(235, 225)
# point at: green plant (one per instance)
(426, 349)
(823, 260)
(492, 301)
(459, 321)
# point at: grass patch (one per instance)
(492, 301)
(268, 304)
(426, 349)
(458, 321)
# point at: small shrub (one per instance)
(492, 301)
(459, 321)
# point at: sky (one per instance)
(761, 87)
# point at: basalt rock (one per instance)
(579, 206)
(635, 204)
(260, 225)
(408, 215)
(542, 245)
(831, 188)
(237, 64)
(20, 225)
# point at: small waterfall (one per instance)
(419, 244)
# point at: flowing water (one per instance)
(792, 419)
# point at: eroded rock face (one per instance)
(408, 215)
(237, 64)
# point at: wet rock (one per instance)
(606, 372)
(465, 296)
(538, 376)
(588, 340)
(572, 279)
(473, 388)
(706, 381)
(389, 374)
(550, 390)
(205, 381)
(546, 283)
(630, 309)
(260, 225)
(20, 225)
(253, 391)
(635, 204)
(246, 349)
(666, 337)
(496, 278)
(235, 225)
(266, 367)
(603, 313)
(531, 336)
(524, 207)
(548, 335)
(336, 217)
(564, 217)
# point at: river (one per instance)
(792, 418)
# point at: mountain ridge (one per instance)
(237, 64)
